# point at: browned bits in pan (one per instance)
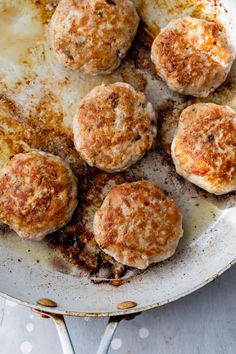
(110, 2)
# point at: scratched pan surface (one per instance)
(37, 101)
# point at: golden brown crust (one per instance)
(193, 56)
(204, 147)
(114, 127)
(93, 36)
(138, 224)
(37, 194)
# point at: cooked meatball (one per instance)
(93, 36)
(37, 194)
(193, 56)
(204, 147)
(114, 126)
(138, 224)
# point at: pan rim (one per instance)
(120, 312)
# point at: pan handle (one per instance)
(111, 327)
(66, 342)
(64, 336)
(62, 330)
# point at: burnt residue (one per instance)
(168, 119)
(4, 229)
(60, 265)
(47, 8)
(10, 108)
(110, 2)
(62, 145)
(140, 51)
(42, 130)
(210, 138)
(137, 63)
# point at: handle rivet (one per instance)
(46, 303)
(126, 305)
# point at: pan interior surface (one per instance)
(38, 99)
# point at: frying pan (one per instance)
(208, 247)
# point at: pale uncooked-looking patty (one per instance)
(93, 36)
(204, 147)
(193, 56)
(38, 194)
(138, 224)
(114, 126)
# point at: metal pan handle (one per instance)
(108, 334)
(64, 335)
(62, 330)
(66, 343)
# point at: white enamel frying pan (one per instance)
(209, 244)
